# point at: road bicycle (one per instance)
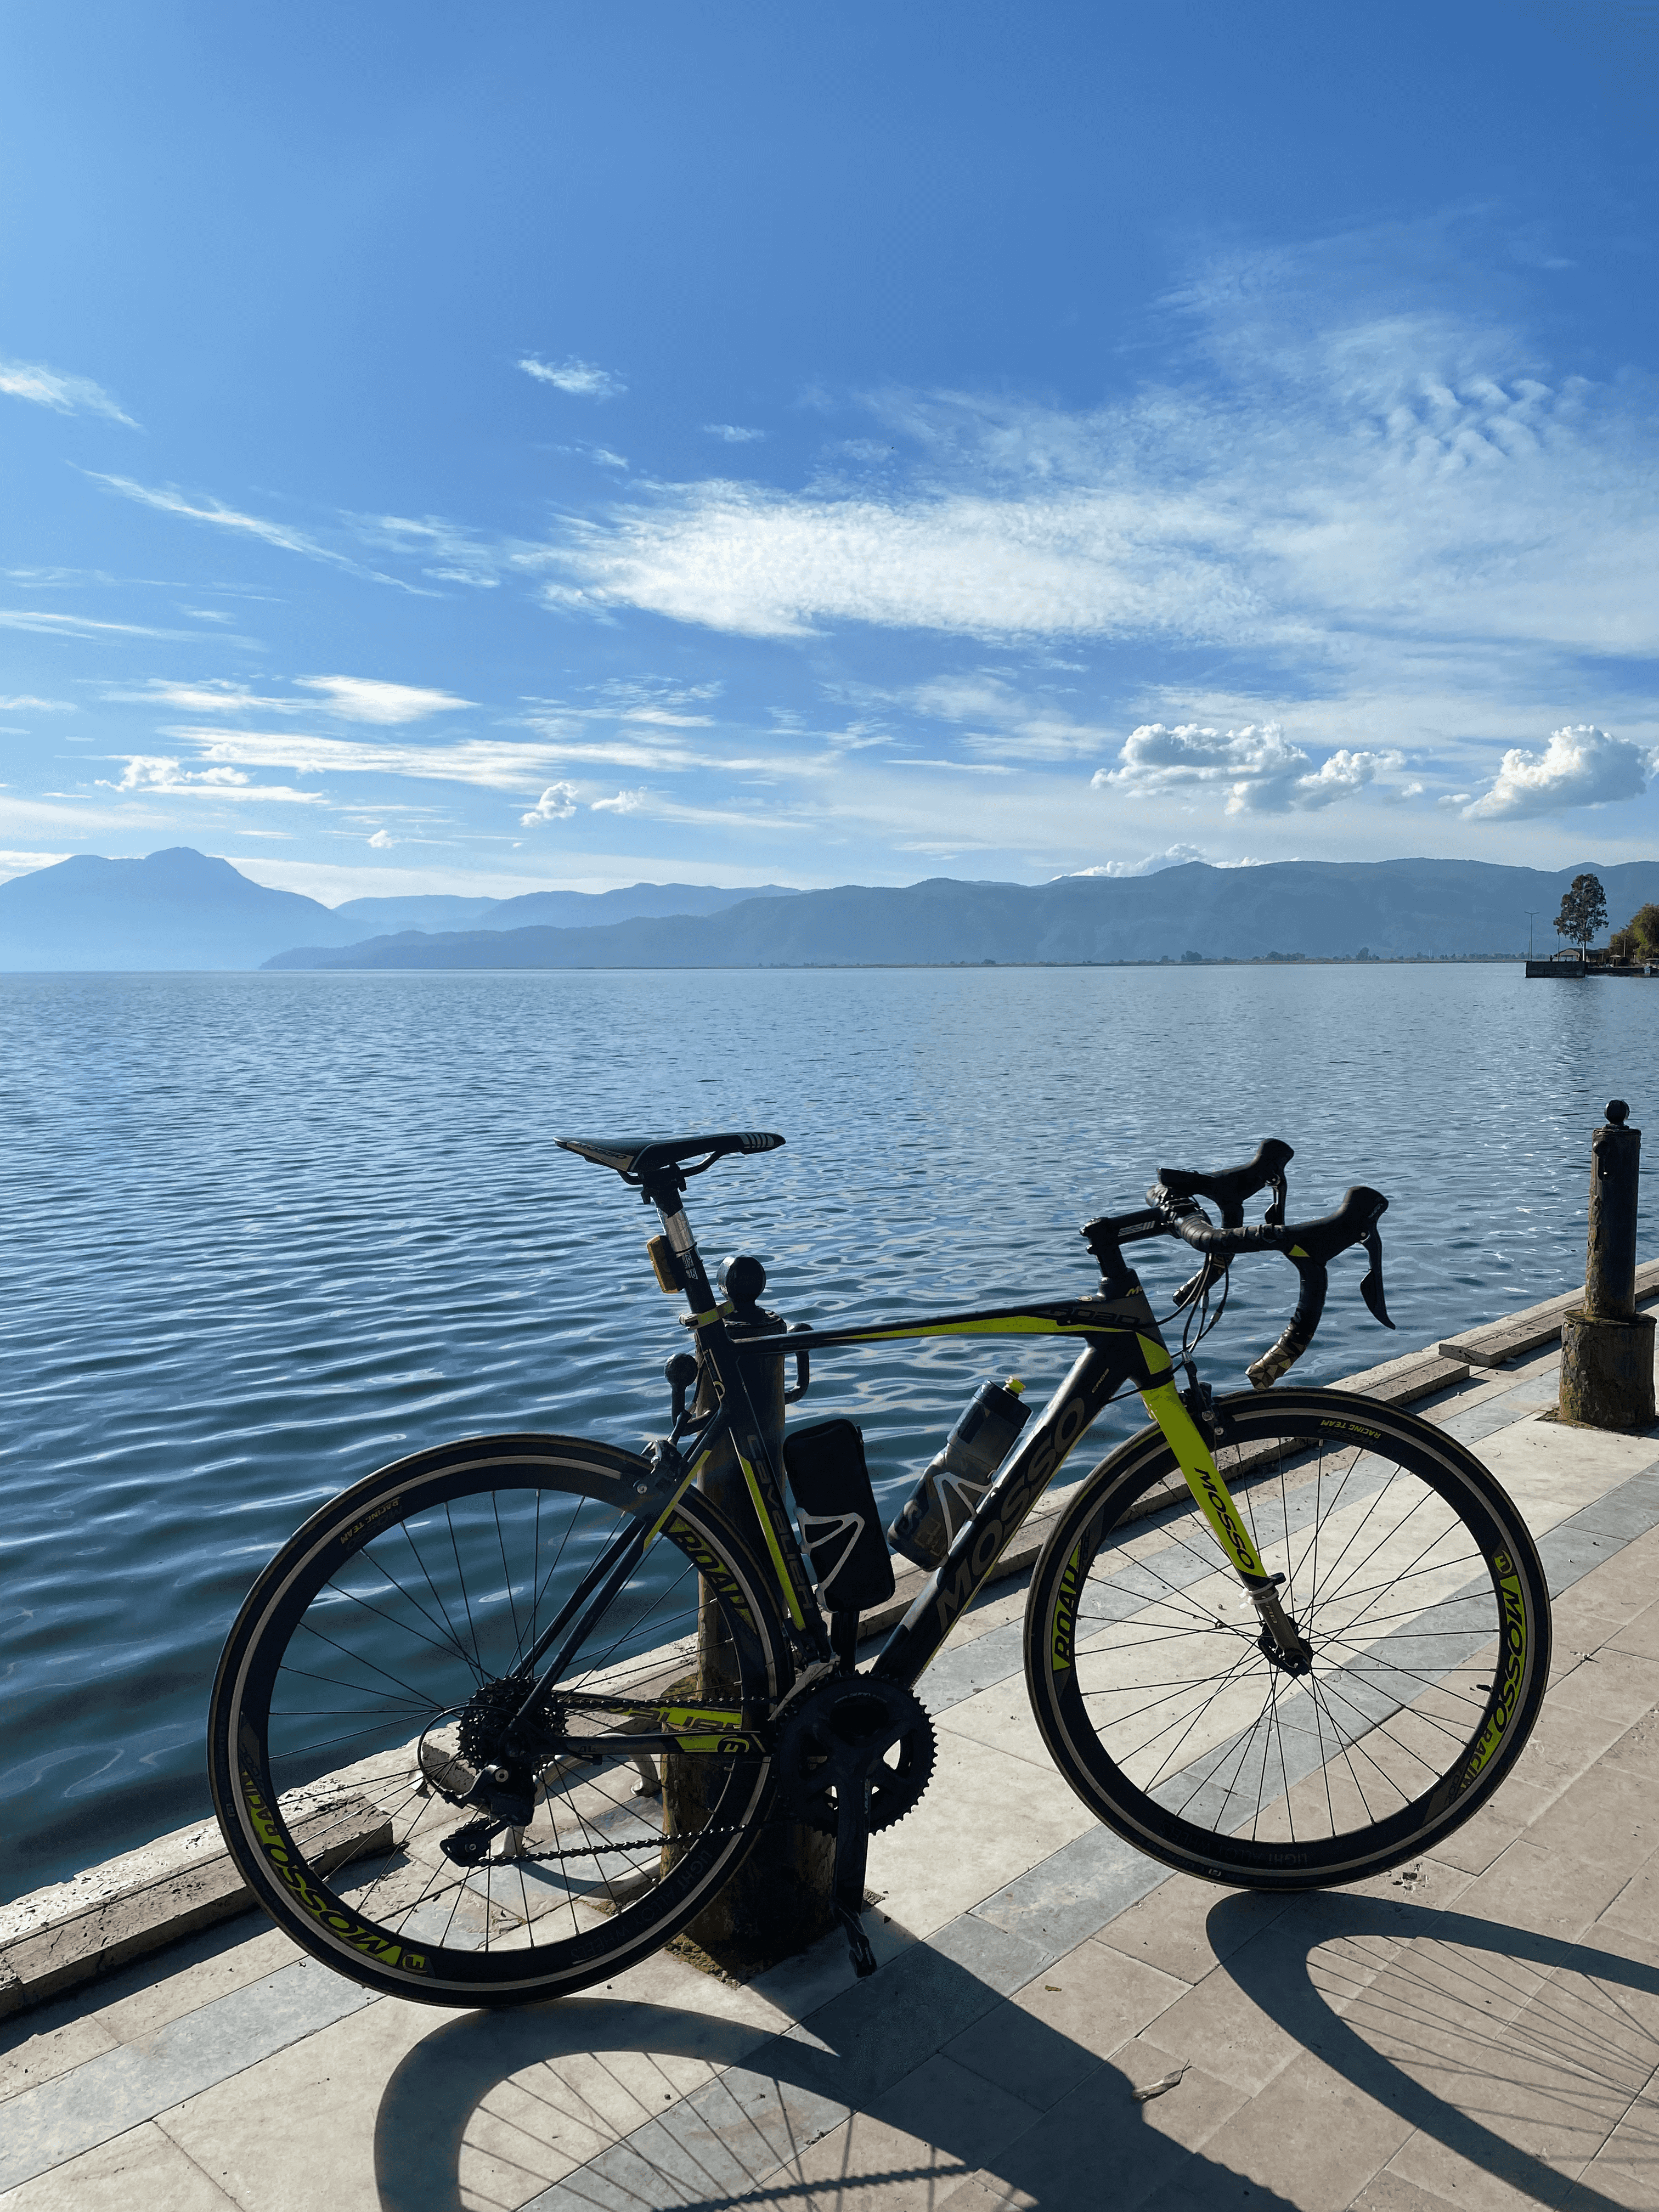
(1282, 1639)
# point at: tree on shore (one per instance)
(1638, 942)
(1583, 912)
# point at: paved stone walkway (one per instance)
(1482, 2032)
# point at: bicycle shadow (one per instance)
(1477, 2003)
(504, 2108)
(609, 2101)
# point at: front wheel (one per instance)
(378, 1667)
(1412, 1578)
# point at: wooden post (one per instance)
(781, 1897)
(1606, 1347)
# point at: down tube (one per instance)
(1104, 1365)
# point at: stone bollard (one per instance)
(1606, 1347)
(781, 1897)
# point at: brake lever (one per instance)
(1371, 1285)
(1274, 1216)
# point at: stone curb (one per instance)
(1517, 1334)
(57, 1937)
(75, 1931)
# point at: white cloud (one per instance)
(1391, 481)
(557, 803)
(732, 434)
(625, 802)
(153, 773)
(1264, 773)
(23, 700)
(365, 699)
(1176, 856)
(1581, 766)
(383, 840)
(25, 864)
(582, 378)
(63, 394)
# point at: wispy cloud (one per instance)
(449, 552)
(154, 774)
(365, 699)
(1331, 501)
(584, 379)
(601, 455)
(205, 509)
(732, 434)
(383, 840)
(625, 802)
(57, 625)
(487, 763)
(63, 393)
(24, 699)
(1581, 766)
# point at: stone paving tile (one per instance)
(1055, 2031)
(1542, 1891)
(135, 2082)
(916, 2145)
(1387, 2192)
(307, 2137)
(986, 1816)
(1178, 1929)
(140, 2168)
(1610, 1819)
(1098, 2147)
(50, 2051)
(1312, 2138)
(1625, 2172)
(854, 2048)
(1073, 1892)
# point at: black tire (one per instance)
(346, 1676)
(1410, 1573)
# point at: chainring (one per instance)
(856, 1730)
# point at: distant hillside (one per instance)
(172, 909)
(1391, 909)
(384, 917)
(180, 909)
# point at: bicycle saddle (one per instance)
(639, 1159)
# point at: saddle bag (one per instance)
(840, 1526)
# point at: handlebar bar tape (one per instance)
(1310, 1246)
(1229, 1186)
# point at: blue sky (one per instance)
(479, 449)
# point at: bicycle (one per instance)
(1281, 1638)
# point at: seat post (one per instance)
(671, 1210)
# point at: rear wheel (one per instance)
(1410, 1574)
(366, 1684)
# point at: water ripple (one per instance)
(263, 1233)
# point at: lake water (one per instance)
(263, 1233)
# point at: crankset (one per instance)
(834, 1754)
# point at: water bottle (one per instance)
(953, 1483)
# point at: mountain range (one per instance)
(180, 909)
(1309, 910)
